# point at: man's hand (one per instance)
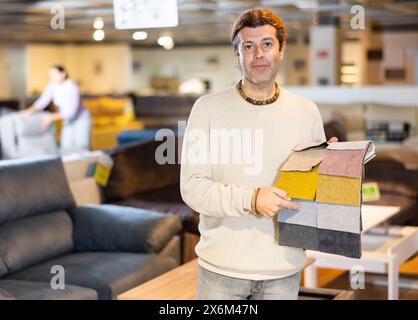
(270, 201)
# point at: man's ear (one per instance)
(282, 50)
(236, 54)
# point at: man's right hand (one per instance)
(270, 201)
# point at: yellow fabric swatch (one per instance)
(338, 190)
(299, 184)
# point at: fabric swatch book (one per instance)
(325, 180)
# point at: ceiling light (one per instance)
(165, 41)
(169, 46)
(98, 23)
(98, 35)
(139, 35)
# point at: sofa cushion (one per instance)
(189, 218)
(34, 239)
(31, 290)
(118, 228)
(166, 200)
(33, 186)
(109, 273)
(136, 170)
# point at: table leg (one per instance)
(393, 280)
(310, 277)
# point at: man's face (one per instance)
(258, 54)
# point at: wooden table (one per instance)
(176, 284)
(384, 249)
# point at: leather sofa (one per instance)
(104, 250)
(396, 173)
(137, 180)
(163, 111)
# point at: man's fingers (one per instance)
(289, 204)
(281, 193)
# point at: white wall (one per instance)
(294, 52)
(186, 63)
(391, 95)
(326, 39)
(97, 68)
(13, 72)
(5, 86)
(399, 52)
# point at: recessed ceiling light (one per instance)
(98, 23)
(98, 35)
(139, 35)
(165, 41)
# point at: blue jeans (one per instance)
(214, 286)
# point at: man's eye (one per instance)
(268, 44)
(248, 46)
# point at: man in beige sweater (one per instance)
(233, 145)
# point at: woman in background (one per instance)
(65, 94)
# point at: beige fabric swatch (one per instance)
(304, 160)
(307, 145)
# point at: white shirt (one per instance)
(65, 96)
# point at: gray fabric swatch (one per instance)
(306, 215)
(297, 236)
(339, 217)
(341, 243)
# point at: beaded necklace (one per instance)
(259, 102)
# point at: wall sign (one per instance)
(139, 14)
(322, 54)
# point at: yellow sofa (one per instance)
(110, 116)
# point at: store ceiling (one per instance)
(200, 21)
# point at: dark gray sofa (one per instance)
(104, 249)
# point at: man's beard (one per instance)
(260, 79)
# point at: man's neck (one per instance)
(260, 91)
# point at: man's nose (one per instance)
(259, 53)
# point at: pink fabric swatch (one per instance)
(343, 163)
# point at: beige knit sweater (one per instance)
(229, 147)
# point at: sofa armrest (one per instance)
(117, 228)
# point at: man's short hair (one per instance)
(256, 18)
